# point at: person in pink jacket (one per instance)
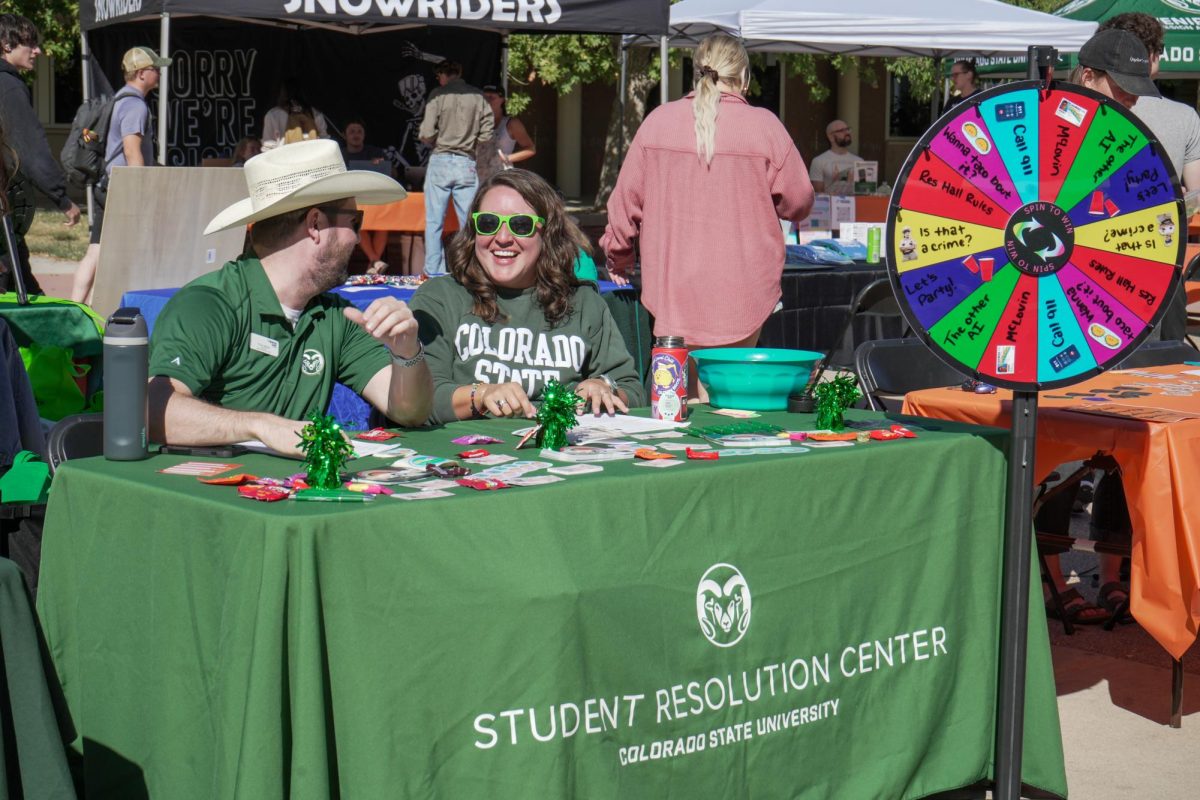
(703, 187)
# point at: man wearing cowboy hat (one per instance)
(251, 350)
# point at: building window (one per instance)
(908, 117)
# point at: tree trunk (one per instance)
(640, 82)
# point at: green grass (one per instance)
(49, 238)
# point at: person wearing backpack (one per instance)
(293, 119)
(27, 157)
(129, 143)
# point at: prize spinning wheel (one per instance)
(1035, 235)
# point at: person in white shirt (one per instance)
(832, 172)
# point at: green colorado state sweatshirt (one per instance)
(520, 346)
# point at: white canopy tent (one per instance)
(938, 28)
(934, 28)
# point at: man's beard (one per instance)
(331, 266)
(844, 141)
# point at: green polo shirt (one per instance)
(226, 338)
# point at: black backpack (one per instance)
(82, 155)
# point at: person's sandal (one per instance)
(1114, 598)
(1077, 609)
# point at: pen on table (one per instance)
(357, 498)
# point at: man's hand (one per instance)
(390, 322)
(73, 215)
(281, 435)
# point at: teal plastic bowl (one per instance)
(753, 378)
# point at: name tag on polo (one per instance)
(265, 345)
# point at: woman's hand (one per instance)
(597, 393)
(504, 400)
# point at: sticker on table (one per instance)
(198, 468)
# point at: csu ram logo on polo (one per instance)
(312, 362)
(723, 605)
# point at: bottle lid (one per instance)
(668, 341)
(125, 323)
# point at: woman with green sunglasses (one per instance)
(511, 315)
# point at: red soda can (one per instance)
(668, 378)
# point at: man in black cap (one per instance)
(1115, 64)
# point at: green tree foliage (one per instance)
(923, 74)
(56, 20)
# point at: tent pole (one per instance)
(664, 87)
(85, 65)
(934, 107)
(164, 85)
(504, 63)
(621, 93)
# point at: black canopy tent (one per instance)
(366, 17)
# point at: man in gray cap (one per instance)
(130, 143)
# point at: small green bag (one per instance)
(27, 481)
(54, 375)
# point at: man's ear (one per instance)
(312, 225)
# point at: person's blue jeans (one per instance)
(447, 176)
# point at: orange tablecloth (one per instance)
(871, 208)
(405, 216)
(1160, 464)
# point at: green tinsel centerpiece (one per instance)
(326, 451)
(556, 415)
(833, 398)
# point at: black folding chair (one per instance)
(874, 303)
(890, 368)
(76, 436)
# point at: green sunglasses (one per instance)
(520, 225)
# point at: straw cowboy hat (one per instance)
(301, 175)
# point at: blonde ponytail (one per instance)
(721, 64)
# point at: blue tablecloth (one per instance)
(345, 405)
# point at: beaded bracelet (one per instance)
(475, 412)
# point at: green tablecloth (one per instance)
(545, 641)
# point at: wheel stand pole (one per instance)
(1014, 620)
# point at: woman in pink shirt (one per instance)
(702, 189)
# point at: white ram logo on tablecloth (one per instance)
(723, 605)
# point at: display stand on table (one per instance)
(1035, 235)
(154, 221)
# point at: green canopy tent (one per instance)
(1179, 18)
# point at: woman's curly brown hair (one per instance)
(561, 242)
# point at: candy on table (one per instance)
(646, 454)
(476, 453)
(237, 479)
(482, 484)
(376, 435)
(266, 494)
(702, 455)
(476, 439)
